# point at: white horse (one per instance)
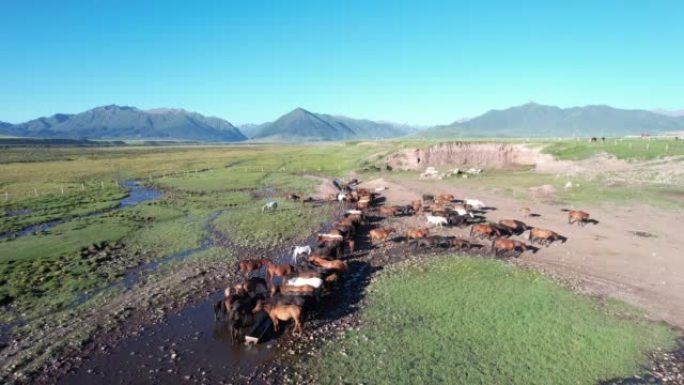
(475, 204)
(463, 212)
(272, 205)
(437, 220)
(298, 281)
(299, 250)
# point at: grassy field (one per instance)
(466, 321)
(44, 272)
(641, 149)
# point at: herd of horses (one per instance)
(286, 291)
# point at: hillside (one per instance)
(120, 122)
(301, 124)
(535, 120)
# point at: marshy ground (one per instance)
(63, 308)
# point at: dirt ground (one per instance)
(634, 253)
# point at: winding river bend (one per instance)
(137, 193)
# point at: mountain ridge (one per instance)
(125, 122)
(538, 120)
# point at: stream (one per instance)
(137, 194)
(188, 348)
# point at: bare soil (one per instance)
(608, 258)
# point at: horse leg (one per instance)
(274, 321)
(298, 326)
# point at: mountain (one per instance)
(121, 122)
(300, 124)
(669, 112)
(536, 120)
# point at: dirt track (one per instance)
(645, 269)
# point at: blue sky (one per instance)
(420, 62)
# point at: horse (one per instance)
(334, 264)
(273, 270)
(545, 237)
(474, 203)
(387, 211)
(445, 198)
(484, 231)
(279, 312)
(272, 205)
(503, 245)
(381, 234)
(293, 197)
(298, 250)
(577, 216)
(251, 287)
(417, 233)
(315, 282)
(525, 211)
(246, 266)
(436, 220)
(513, 226)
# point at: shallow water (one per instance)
(203, 351)
(137, 194)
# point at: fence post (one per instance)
(82, 187)
(102, 184)
(6, 196)
(35, 191)
(61, 187)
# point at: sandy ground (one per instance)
(608, 258)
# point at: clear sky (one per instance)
(419, 62)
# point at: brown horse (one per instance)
(334, 264)
(504, 246)
(246, 266)
(578, 216)
(544, 237)
(460, 244)
(279, 312)
(273, 270)
(387, 211)
(380, 235)
(513, 226)
(417, 233)
(445, 198)
(484, 231)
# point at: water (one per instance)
(137, 194)
(200, 344)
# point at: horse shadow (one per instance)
(592, 221)
(534, 215)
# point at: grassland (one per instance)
(45, 272)
(466, 321)
(640, 149)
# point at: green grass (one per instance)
(620, 148)
(249, 226)
(467, 321)
(516, 183)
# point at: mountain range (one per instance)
(121, 122)
(536, 120)
(530, 120)
(300, 124)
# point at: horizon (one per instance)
(422, 66)
(666, 112)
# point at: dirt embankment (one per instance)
(481, 155)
